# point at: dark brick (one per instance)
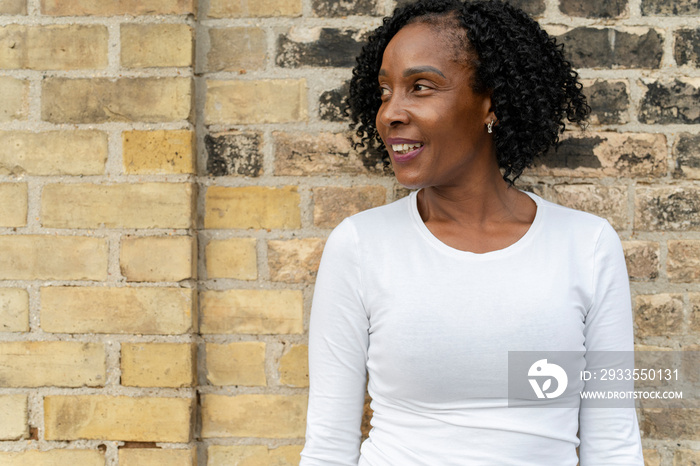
(687, 47)
(592, 48)
(332, 104)
(670, 208)
(670, 7)
(573, 153)
(533, 8)
(234, 153)
(674, 102)
(334, 47)
(594, 8)
(687, 155)
(609, 102)
(336, 8)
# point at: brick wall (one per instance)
(169, 172)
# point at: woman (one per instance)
(428, 294)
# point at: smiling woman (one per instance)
(428, 295)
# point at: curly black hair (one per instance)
(532, 86)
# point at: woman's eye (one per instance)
(421, 87)
(384, 91)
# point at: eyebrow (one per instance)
(415, 70)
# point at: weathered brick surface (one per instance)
(673, 102)
(158, 152)
(609, 101)
(658, 315)
(237, 363)
(232, 258)
(13, 7)
(98, 100)
(667, 208)
(122, 7)
(686, 49)
(53, 363)
(294, 366)
(13, 412)
(253, 455)
(156, 45)
(605, 154)
(688, 457)
(670, 424)
(534, 8)
(234, 153)
(263, 8)
(276, 416)
(318, 47)
(14, 103)
(322, 154)
(158, 258)
(294, 261)
(252, 207)
(335, 8)
(53, 152)
(694, 312)
(670, 7)
(686, 151)
(332, 204)
(56, 47)
(332, 104)
(235, 49)
(251, 311)
(156, 457)
(14, 310)
(49, 257)
(117, 418)
(683, 262)
(642, 259)
(609, 202)
(138, 205)
(264, 101)
(651, 457)
(13, 204)
(53, 458)
(158, 364)
(588, 47)
(139, 310)
(595, 8)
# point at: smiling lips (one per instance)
(404, 149)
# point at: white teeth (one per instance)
(405, 147)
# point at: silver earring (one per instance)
(490, 127)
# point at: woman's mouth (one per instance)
(405, 152)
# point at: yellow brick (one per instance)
(334, 203)
(252, 207)
(158, 364)
(49, 257)
(13, 7)
(52, 363)
(142, 310)
(156, 45)
(232, 258)
(13, 204)
(238, 363)
(13, 412)
(112, 8)
(99, 100)
(238, 8)
(158, 258)
(294, 261)
(252, 311)
(264, 101)
(156, 457)
(253, 455)
(55, 47)
(14, 310)
(269, 416)
(53, 458)
(138, 205)
(294, 366)
(53, 152)
(158, 152)
(117, 418)
(234, 49)
(14, 99)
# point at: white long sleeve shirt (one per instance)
(432, 326)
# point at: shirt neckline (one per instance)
(522, 242)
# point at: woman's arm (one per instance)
(609, 436)
(338, 341)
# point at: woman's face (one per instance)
(430, 119)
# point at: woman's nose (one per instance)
(393, 111)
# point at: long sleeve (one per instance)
(609, 436)
(338, 343)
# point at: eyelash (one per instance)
(415, 87)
